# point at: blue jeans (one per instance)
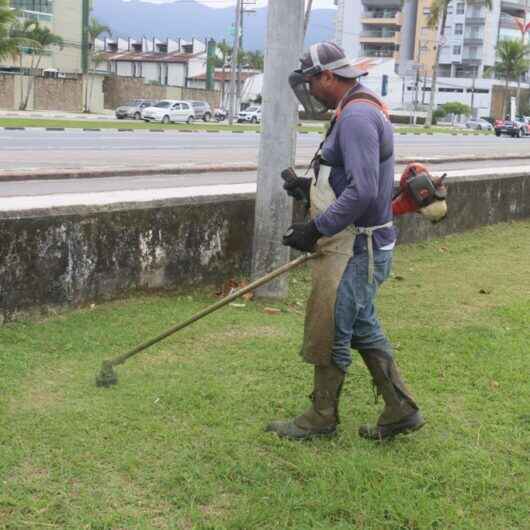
(356, 324)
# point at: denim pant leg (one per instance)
(356, 323)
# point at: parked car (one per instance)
(169, 111)
(479, 124)
(133, 109)
(514, 128)
(202, 110)
(250, 115)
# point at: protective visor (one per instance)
(300, 87)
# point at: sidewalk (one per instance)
(57, 115)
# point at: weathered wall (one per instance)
(67, 260)
(118, 90)
(53, 260)
(7, 91)
(58, 94)
(498, 107)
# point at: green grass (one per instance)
(179, 442)
(137, 125)
(200, 126)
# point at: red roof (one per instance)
(219, 76)
(147, 57)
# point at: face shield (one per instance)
(301, 87)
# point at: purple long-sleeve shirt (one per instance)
(361, 177)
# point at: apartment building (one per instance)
(376, 28)
(62, 17)
(399, 30)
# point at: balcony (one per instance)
(473, 40)
(379, 37)
(477, 21)
(388, 17)
(471, 61)
(374, 52)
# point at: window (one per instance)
(459, 29)
(41, 6)
(460, 8)
(457, 50)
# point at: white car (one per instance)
(169, 111)
(250, 115)
(479, 124)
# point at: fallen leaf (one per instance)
(233, 304)
(484, 291)
(272, 311)
(399, 278)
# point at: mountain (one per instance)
(187, 19)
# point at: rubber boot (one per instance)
(401, 413)
(322, 417)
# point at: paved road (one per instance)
(32, 149)
(167, 182)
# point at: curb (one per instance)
(15, 176)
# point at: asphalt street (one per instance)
(34, 188)
(31, 149)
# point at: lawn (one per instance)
(179, 442)
(201, 126)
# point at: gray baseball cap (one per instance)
(328, 56)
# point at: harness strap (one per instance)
(368, 231)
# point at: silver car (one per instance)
(134, 108)
(479, 124)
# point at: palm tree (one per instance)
(438, 18)
(13, 33)
(43, 39)
(255, 60)
(94, 30)
(512, 62)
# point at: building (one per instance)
(376, 28)
(169, 62)
(399, 30)
(62, 17)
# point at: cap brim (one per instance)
(350, 72)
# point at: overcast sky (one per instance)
(226, 3)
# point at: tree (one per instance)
(13, 33)
(94, 30)
(455, 108)
(254, 60)
(512, 62)
(43, 39)
(438, 18)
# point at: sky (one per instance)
(317, 4)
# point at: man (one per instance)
(350, 201)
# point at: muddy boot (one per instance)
(322, 417)
(401, 413)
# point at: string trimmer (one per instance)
(107, 376)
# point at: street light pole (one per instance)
(235, 61)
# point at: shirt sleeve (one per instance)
(358, 138)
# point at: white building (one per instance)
(169, 62)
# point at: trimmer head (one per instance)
(107, 376)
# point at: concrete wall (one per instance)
(117, 90)
(70, 257)
(7, 91)
(58, 94)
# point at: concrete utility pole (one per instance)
(285, 27)
(307, 15)
(235, 61)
